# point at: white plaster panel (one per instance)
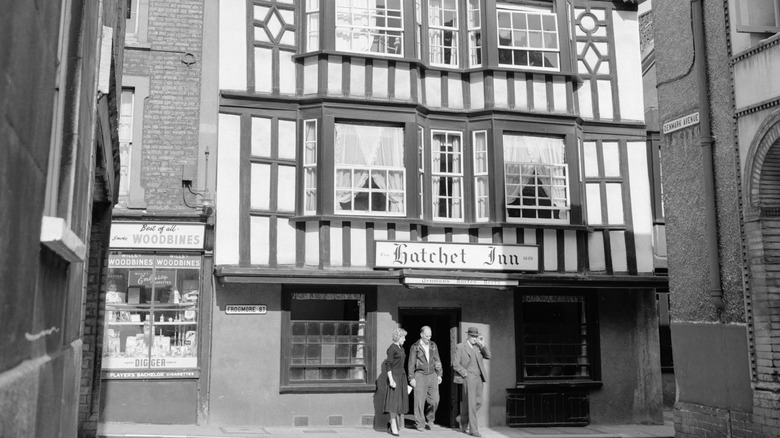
(358, 245)
(629, 65)
(570, 248)
(500, 90)
(521, 92)
(460, 235)
(336, 248)
(260, 240)
(228, 190)
(605, 100)
(641, 205)
(585, 100)
(310, 75)
(455, 91)
(509, 235)
(232, 45)
(529, 236)
(402, 233)
(593, 198)
(380, 231)
(485, 235)
(747, 127)
(263, 70)
(433, 89)
(436, 234)
(550, 250)
(312, 232)
(334, 76)
(477, 91)
(559, 94)
(287, 72)
(596, 258)
(260, 179)
(286, 242)
(381, 79)
(617, 240)
(357, 77)
(540, 93)
(403, 83)
(760, 68)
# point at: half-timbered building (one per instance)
(385, 163)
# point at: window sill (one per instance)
(58, 237)
(319, 389)
(556, 384)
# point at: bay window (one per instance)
(447, 174)
(527, 37)
(535, 178)
(374, 26)
(370, 173)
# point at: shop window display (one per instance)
(151, 311)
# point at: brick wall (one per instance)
(171, 113)
(699, 421)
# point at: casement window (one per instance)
(374, 26)
(443, 32)
(535, 178)
(312, 25)
(474, 15)
(557, 339)
(370, 174)
(758, 16)
(327, 337)
(418, 29)
(447, 174)
(527, 37)
(481, 177)
(421, 170)
(310, 166)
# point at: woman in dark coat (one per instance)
(397, 399)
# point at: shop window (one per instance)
(535, 178)
(556, 339)
(327, 340)
(374, 26)
(152, 311)
(370, 173)
(443, 32)
(447, 174)
(527, 37)
(758, 16)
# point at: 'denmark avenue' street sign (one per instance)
(682, 122)
(440, 255)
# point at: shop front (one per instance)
(151, 364)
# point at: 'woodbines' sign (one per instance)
(157, 235)
(439, 255)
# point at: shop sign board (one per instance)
(148, 278)
(131, 363)
(425, 281)
(246, 309)
(157, 235)
(682, 122)
(175, 261)
(161, 374)
(440, 255)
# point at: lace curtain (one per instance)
(532, 153)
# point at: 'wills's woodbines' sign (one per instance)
(471, 256)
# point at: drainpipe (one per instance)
(716, 291)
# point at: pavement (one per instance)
(125, 430)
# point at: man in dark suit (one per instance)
(470, 368)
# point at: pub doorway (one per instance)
(444, 324)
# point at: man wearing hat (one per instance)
(470, 372)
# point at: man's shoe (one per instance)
(475, 434)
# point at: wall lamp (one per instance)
(206, 206)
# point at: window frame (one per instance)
(370, 345)
(306, 166)
(744, 27)
(505, 6)
(441, 30)
(461, 176)
(569, 177)
(478, 174)
(373, 31)
(592, 339)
